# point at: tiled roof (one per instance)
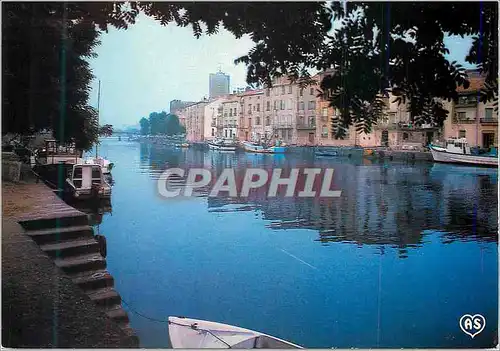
(476, 83)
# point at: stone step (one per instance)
(60, 219)
(81, 263)
(127, 329)
(56, 235)
(117, 313)
(93, 280)
(105, 297)
(71, 248)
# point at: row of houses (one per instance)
(297, 116)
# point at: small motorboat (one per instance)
(263, 149)
(186, 333)
(326, 153)
(87, 181)
(458, 151)
(222, 145)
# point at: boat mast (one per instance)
(98, 105)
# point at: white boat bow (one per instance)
(187, 333)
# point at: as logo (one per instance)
(472, 325)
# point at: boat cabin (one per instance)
(458, 146)
(87, 180)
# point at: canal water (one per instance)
(394, 262)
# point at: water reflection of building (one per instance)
(381, 206)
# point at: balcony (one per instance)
(467, 101)
(386, 126)
(406, 126)
(303, 126)
(464, 121)
(489, 121)
(282, 125)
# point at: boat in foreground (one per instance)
(263, 149)
(87, 181)
(458, 151)
(186, 333)
(222, 145)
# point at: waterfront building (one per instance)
(176, 105)
(471, 119)
(280, 110)
(297, 114)
(194, 117)
(212, 114)
(218, 85)
(230, 116)
(251, 121)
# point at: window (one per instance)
(461, 115)
(461, 134)
(290, 103)
(213, 132)
(301, 92)
(392, 117)
(488, 113)
(312, 105)
(257, 121)
(275, 104)
(289, 89)
(235, 111)
(283, 90)
(282, 104)
(258, 107)
(268, 121)
(312, 121)
(405, 136)
(324, 132)
(488, 139)
(268, 92)
(249, 109)
(325, 111)
(311, 91)
(301, 105)
(225, 133)
(283, 135)
(268, 106)
(77, 173)
(96, 173)
(231, 113)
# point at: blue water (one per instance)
(395, 262)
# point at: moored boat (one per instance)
(54, 153)
(458, 151)
(186, 333)
(222, 145)
(87, 181)
(263, 149)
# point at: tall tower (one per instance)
(218, 84)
